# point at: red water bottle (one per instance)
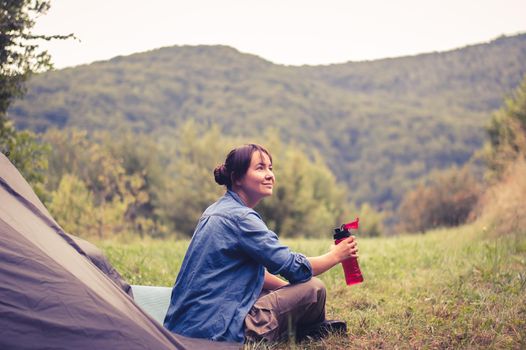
(351, 269)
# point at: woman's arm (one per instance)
(342, 251)
(272, 282)
(346, 249)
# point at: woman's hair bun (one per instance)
(220, 175)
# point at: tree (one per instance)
(26, 154)
(72, 207)
(507, 133)
(20, 56)
(113, 192)
(190, 187)
(307, 200)
(502, 207)
(142, 161)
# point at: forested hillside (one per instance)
(381, 126)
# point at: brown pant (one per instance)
(276, 314)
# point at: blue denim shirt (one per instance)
(223, 271)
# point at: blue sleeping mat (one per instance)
(153, 300)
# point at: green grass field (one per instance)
(456, 288)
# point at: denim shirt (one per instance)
(223, 271)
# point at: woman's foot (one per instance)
(321, 330)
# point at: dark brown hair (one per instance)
(237, 163)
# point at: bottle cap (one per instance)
(339, 233)
(343, 231)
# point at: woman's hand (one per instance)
(345, 249)
(339, 252)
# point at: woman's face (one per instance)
(258, 181)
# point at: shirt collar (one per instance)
(235, 196)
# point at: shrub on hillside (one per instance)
(446, 200)
(92, 190)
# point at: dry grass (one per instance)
(503, 208)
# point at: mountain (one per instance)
(381, 125)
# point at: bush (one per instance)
(507, 133)
(447, 200)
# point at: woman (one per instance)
(227, 289)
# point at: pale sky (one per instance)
(288, 32)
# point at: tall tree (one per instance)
(20, 56)
(507, 133)
(19, 52)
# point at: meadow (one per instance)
(452, 288)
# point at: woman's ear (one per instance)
(233, 180)
(237, 181)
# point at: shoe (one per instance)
(321, 330)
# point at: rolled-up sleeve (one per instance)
(263, 246)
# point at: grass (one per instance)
(456, 288)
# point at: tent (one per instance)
(58, 291)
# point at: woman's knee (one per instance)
(318, 287)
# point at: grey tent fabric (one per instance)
(97, 257)
(59, 292)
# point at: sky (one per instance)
(290, 32)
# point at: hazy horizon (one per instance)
(288, 33)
